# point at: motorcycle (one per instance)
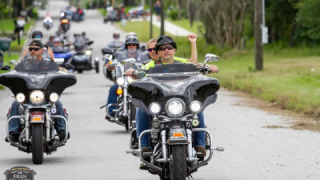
(62, 56)
(109, 55)
(82, 59)
(173, 95)
(47, 23)
(37, 87)
(64, 25)
(125, 111)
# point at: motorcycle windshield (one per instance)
(37, 75)
(173, 80)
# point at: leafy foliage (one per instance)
(308, 17)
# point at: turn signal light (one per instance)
(119, 91)
(178, 134)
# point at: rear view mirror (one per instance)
(13, 62)
(211, 58)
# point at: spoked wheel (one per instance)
(178, 163)
(37, 143)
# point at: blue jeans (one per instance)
(112, 98)
(14, 125)
(143, 123)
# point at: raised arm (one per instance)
(194, 53)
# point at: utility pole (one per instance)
(258, 35)
(162, 17)
(151, 6)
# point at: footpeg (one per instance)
(218, 149)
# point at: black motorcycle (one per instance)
(37, 86)
(173, 95)
(82, 59)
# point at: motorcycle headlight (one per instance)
(155, 108)
(120, 81)
(175, 107)
(54, 97)
(130, 80)
(108, 56)
(36, 97)
(20, 97)
(88, 52)
(195, 106)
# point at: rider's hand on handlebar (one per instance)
(129, 72)
(109, 68)
(213, 68)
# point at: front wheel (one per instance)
(37, 143)
(132, 116)
(96, 64)
(178, 162)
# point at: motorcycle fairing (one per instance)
(44, 76)
(160, 88)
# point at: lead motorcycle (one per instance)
(173, 95)
(37, 86)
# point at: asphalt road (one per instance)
(96, 149)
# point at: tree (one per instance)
(280, 19)
(308, 17)
(223, 20)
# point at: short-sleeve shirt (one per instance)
(152, 64)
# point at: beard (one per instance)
(131, 51)
(33, 57)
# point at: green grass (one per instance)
(8, 25)
(102, 11)
(291, 78)
(186, 25)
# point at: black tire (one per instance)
(80, 71)
(96, 64)
(37, 143)
(132, 116)
(178, 163)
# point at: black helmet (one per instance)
(165, 40)
(132, 40)
(37, 34)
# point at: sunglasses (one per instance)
(34, 49)
(38, 37)
(151, 49)
(132, 45)
(164, 48)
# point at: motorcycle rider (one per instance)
(131, 45)
(47, 51)
(166, 48)
(116, 43)
(152, 54)
(35, 50)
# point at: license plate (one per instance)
(59, 60)
(37, 118)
